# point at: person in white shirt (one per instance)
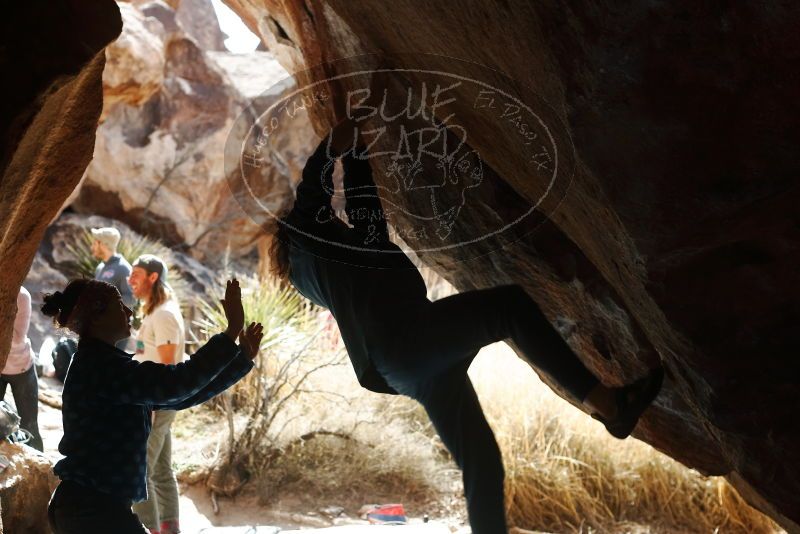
(160, 339)
(20, 373)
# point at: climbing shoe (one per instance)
(632, 400)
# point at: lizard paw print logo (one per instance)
(446, 191)
(463, 174)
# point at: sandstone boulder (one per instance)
(169, 108)
(196, 18)
(25, 489)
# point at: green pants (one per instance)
(162, 488)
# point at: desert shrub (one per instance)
(286, 318)
(270, 393)
(329, 465)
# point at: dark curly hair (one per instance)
(80, 300)
(278, 251)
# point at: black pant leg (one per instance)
(25, 388)
(456, 414)
(521, 319)
(443, 333)
(75, 509)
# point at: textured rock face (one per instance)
(25, 489)
(675, 236)
(196, 18)
(48, 117)
(169, 106)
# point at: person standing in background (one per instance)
(113, 268)
(160, 339)
(20, 373)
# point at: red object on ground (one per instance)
(387, 513)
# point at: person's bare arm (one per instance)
(22, 320)
(346, 134)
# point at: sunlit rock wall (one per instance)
(169, 107)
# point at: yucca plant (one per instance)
(282, 312)
(276, 308)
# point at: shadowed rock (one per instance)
(677, 238)
(25, 489)
(52, 63)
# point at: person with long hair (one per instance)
(160, 339)
(108, 399)
(401, 342)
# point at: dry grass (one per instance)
(358, 449)
(566, 474)
(332, 442)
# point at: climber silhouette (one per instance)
(400, 342)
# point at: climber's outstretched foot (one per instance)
(632, 400)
